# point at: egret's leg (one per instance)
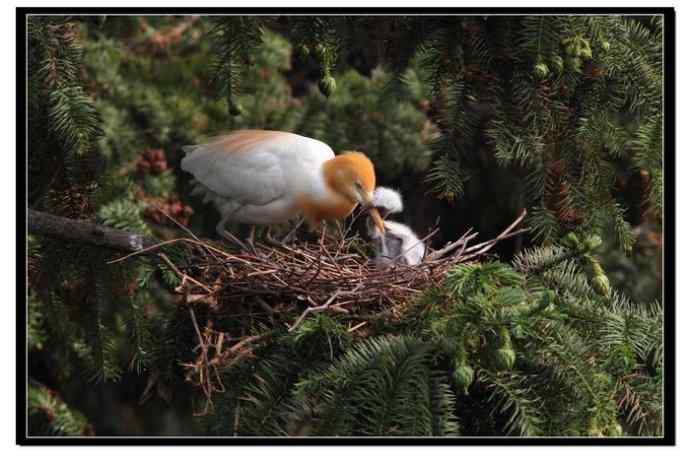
(227, 213)
(270, 239)
(341, 229)
(290, 236)
(250, 239)
(220, 227)
(323, 232)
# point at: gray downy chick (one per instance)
(399, 244)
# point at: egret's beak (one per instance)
(378, 221)
(367, 201)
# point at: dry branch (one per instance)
(86, 232)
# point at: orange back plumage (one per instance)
(247, 140)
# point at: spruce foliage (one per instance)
(49, 415)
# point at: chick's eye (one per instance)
(358, 184)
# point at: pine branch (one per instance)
(513, 396)
(87, 232)
(49, 414)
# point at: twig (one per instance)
(504, 234)
(178, 224)
(489, 244)
(232, 238)
(202, 344)
(182, 275)
(355, 217)
(146, 250)
(313, 309)
(203, 368)
(174, 241)
(464, 239)
(266, 307)
(357, 327)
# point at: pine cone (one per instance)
(173, 207)
(464, 376)
(505, 358)
(143, 167)
(601, 285)
(152, 161)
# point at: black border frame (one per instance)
(669, 438)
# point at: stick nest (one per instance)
(336, 270)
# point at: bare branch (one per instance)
(87, 232)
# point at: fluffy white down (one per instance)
(260, 184)
(388, 199)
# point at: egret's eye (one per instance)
(358, 185)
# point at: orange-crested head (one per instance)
(351, 175)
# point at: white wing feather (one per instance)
(256, 167)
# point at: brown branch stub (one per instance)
(87, 232)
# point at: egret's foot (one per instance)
(270, 240)
(323, 233)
